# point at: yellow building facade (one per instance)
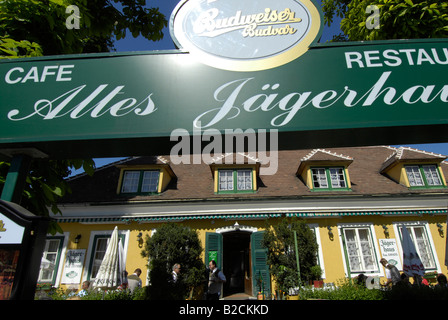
(355, 200)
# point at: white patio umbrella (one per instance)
(412, 265)
(111, 270)
(121, 264)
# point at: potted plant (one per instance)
(260, 287)
(316, 273)
(293, 294)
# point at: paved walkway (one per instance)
(239, 296)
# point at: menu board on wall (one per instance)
(74, 263)
(389, 251)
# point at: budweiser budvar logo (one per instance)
(245, 36)
(267, 23)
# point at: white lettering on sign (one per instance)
(20, 75)
(207, 24)
(60, 106)
(234, 98)
(395, 58)
(289, 105)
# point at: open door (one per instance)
(261, 279)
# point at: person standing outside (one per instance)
(134, 280)
(215, 280)
(392, 274)
(176, 272)
(84, 289)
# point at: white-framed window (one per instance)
(360, 249)
(150, 182)
(244, 179)
(51, 259)
(225, 180)
(337, 178)
(422, 239)
(319, 178)
(432, 175)
(140, 181)
(130, 181)
(423, 176)
(98, 254)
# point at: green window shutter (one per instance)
(259, 264)
(213, 248)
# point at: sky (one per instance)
(166, 7)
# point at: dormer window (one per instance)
(237, 180)
(329, 178)
(423, 176)
(323, 170)
(415, 169)
(234, 173)
(145, 179)
(140, 181)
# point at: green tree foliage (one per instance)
(398, 19)
(30, 28)
(280, 243)
(38, 27)
(174, 243)
(45, 184)
(332, 8)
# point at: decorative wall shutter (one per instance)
(259, 265)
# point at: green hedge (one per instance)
(352, 291)
(343, 291)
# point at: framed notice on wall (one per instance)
(389, 251)
(74, 263)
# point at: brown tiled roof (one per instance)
(195, 181)
(406, 153)
(239, 157)
(324, 155)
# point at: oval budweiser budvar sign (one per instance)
(241, 35)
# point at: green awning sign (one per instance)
(115, 104)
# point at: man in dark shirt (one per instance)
(215, 279)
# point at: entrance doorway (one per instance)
(239, 253)
(237, 262)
